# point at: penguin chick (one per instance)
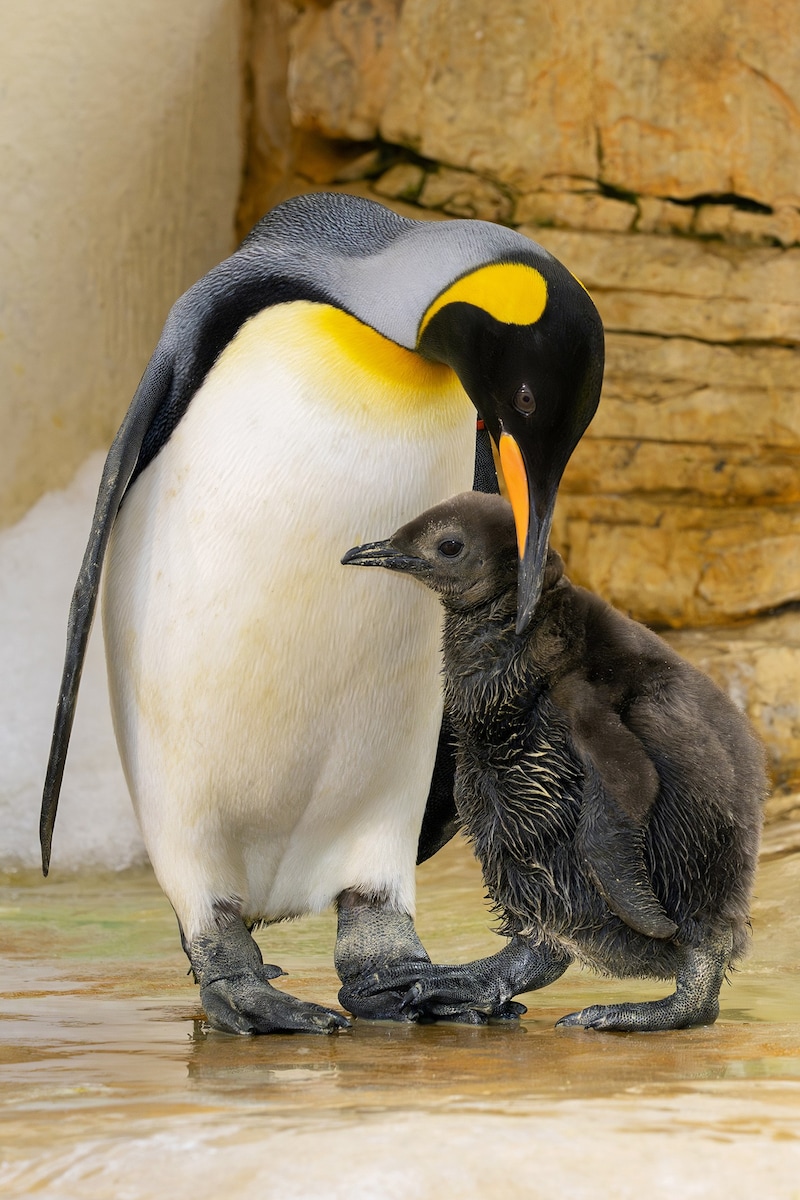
(613, 794)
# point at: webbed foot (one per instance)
(456, 993)
(650, 1016)
(248, 1003)
(425, 992)
(695, 1000)
(387, 976)
(236, 993)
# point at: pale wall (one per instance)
(120, 162)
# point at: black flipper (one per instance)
(613, 854)
(119, 467)
(619, 793)
(440, 822)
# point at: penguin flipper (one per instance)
(119, 467)
(613, 854)
(621, 785)
(440, 822)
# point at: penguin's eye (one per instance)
(524, 400)
(450, 547)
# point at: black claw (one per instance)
(510, 1011)
(246, 1003)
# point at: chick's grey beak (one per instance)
(383, 554)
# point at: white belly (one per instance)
(278, 713)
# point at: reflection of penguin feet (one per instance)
(695, 1000)
(247, 1003)
(235, 990)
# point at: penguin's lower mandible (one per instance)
(279, 718)
(613, 794)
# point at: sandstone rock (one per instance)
(575, 210)
(361, 166)
(758, 665)
(682, 503)
(679, 287)
(738, 225)
(666, 101)
(465, 195)
(403, 181)
(270, 137)
(663, 216)
(567, 183)
(480, 85)
(319, 160)
(679, 563)
(687, 472)
(686, 391)
(341, 56)
(781, 833)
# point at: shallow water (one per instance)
(111, 1086)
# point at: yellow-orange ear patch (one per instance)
(510, 292)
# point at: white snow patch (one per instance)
(39, 561)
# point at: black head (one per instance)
(527, 343)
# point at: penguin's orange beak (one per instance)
(533, 516)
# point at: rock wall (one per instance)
(654, 149)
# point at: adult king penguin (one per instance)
(278, 717)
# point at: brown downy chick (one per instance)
(613, 794)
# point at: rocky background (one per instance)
(654, 149)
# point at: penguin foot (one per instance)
(407, 991)
(695, 1000)
(648, 1017)
(476, 993)
(449, 995)
(235, 990)
(248, 1003)
(382, 965)
(488, 984)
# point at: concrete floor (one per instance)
(111, 1087)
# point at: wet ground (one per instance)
(111, 1087)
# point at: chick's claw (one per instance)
(444, 993)
(423, 992)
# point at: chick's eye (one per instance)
(450, 547)
(524, 400)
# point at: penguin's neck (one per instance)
(495, 676)
(364, 377)
(483, 660)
